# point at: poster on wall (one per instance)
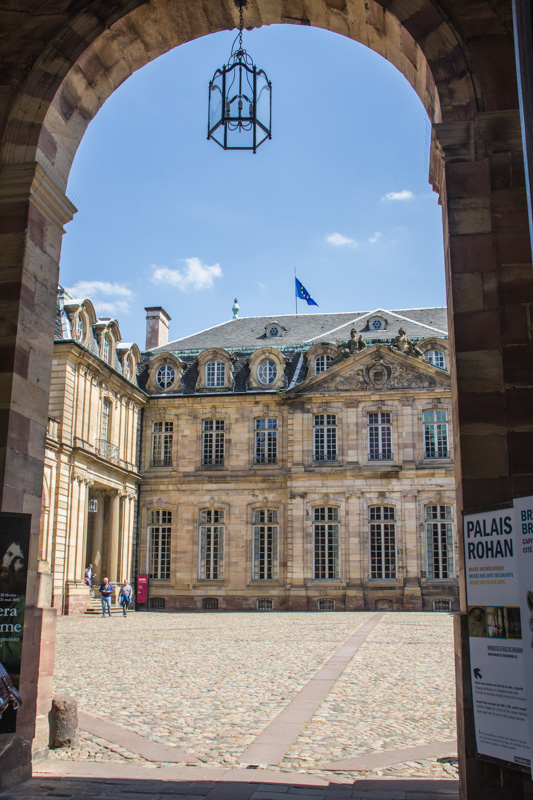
(14, 547)
(495, 636)
(523, 508)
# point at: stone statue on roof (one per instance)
(404, 345)
(350, 348)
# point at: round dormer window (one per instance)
(377, 325)
(165, 376)
(273, 331)
(80, 328)
(266, 372)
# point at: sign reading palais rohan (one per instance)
(497, 627)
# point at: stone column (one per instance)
(98, 536)
(490, 295)
(33, 211)
(114, 537)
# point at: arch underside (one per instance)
(102, 45)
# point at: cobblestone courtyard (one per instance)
(212, 685)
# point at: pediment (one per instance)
(378, 368)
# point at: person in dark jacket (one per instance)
(106, 590)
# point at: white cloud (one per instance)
(339, 240)
(194, 277)
(405, 194)
(117, 296)
(375, 238)
(261, 285)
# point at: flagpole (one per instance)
(295, 293)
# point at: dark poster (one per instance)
(14, 546)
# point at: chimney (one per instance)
(157, 321)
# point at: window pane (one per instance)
(325, 437)
(382, 532)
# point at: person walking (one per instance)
(125, 595)
(106, 590)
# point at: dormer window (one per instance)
(376, 324)
(165, 376)
(127, 367)
(436, 358)
(273, 331)
(80, 328)
(266, 372)
(215, 374)
(322, 362)
(106, 347)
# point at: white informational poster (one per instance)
(495, 634)
(523, 508)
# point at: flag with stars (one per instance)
(302, 292)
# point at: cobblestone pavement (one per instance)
(209, 684)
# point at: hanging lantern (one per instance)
(93, 506)
(240, 100)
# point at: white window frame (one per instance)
(211, 544)
(165, 376)
(326, 545)
(213, 442)
(160, 544)
(267, 372)
(106, 348)
(162, 443)
(266, 440)
(439, 541)
(80, 328)
(215, 374)
(322, 362)
(436, 358)
(379, 436)
(265, 529)
(325, 447)
(382, 542)
(106, 420)
(436, 441)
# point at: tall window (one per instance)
(162, 439)
(265, 555)
(159, 532)
(106, 346)
(379, 436)
(382, 542)
(326, 543)
(213, 442)
(436, 434)
(435, 357)
(211, 544)
(266, 441)
(215, 374)
(127, 368)
(80, 328)
(106, 414)
(439, 542)
(322, 363)
(325, 437)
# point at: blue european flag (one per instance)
(302, 292)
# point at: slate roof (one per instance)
(304, 330)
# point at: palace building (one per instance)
(299, 462)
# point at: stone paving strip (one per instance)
(272, 744)
(207, 686)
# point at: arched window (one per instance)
(106, 416)
(439, 538)
(435, 357)
(80, 328)
(322, 362)
(267, 372)
(382, 536)
(165, 376)
(215, 374)
(106, 348)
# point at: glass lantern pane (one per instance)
(215, 100)
(263, 92)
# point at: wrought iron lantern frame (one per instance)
(239, 87)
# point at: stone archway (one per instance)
(461, 64)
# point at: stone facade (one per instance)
(245, 449)
(91, 460)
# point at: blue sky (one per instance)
(340, 193)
